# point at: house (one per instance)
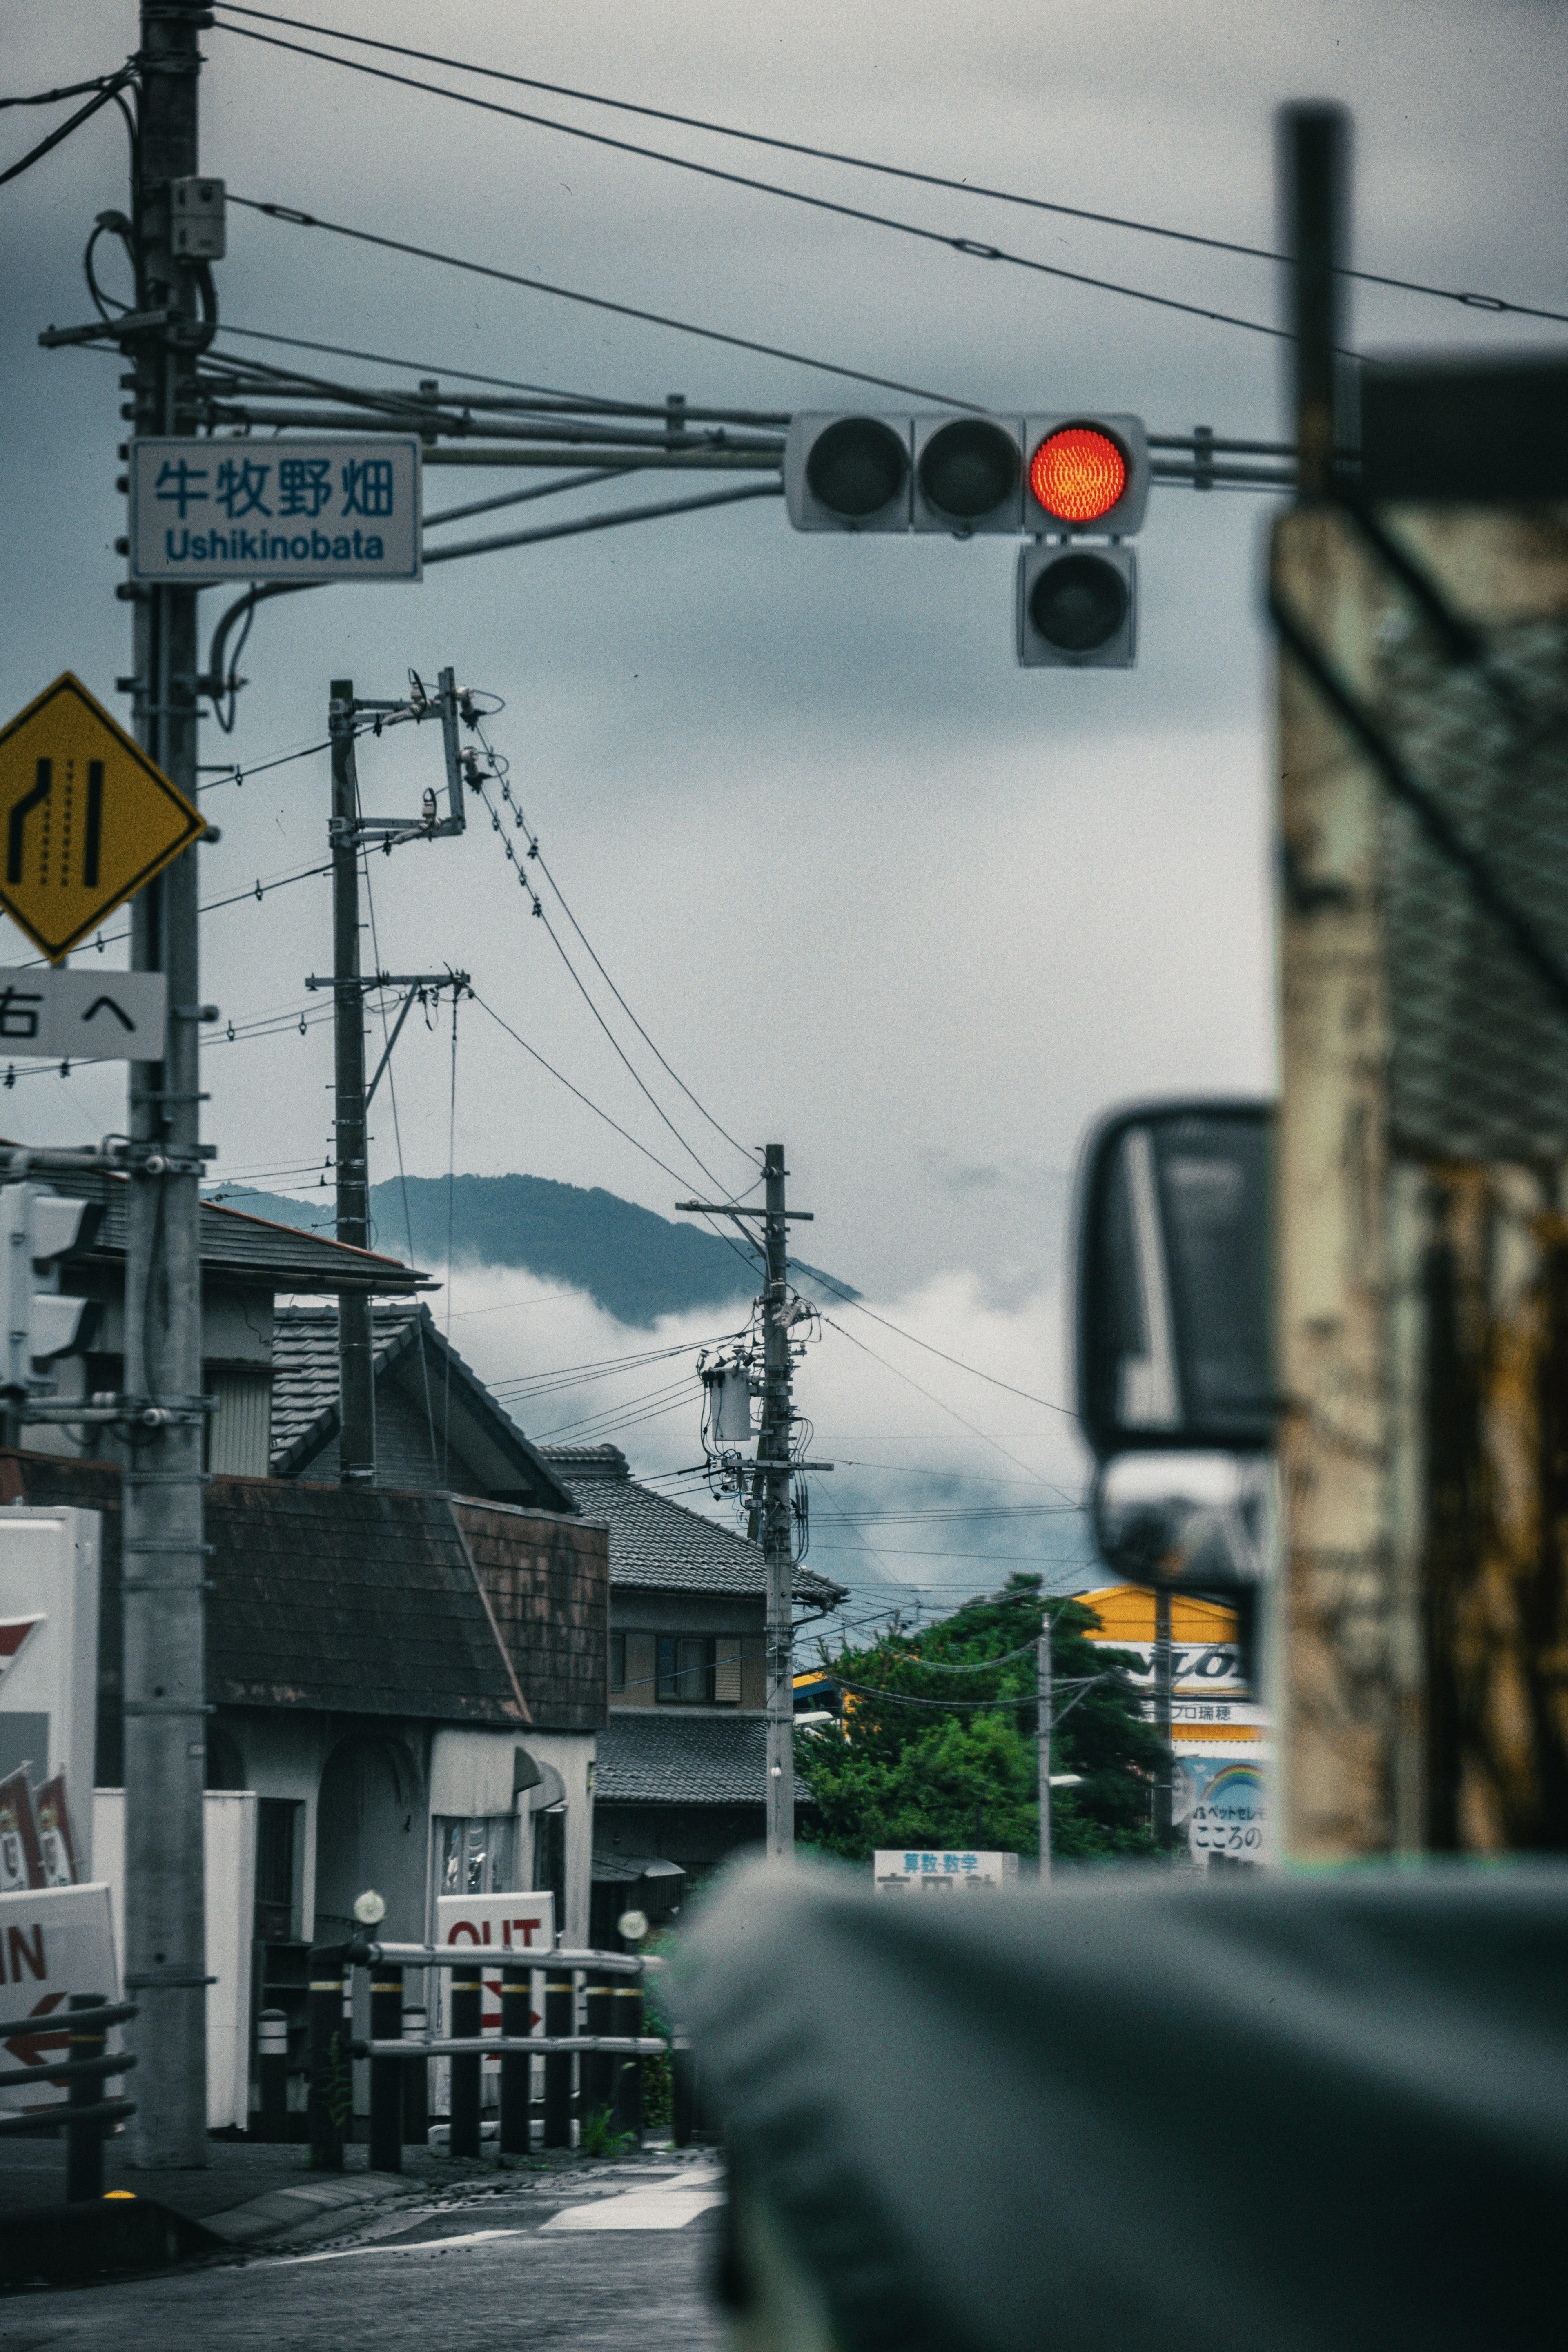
(412, 1676)
(248, 1263)
(682, 1769)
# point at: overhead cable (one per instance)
(973, 249)
(866, 163)
(860, 1307)
(106, 93)
(295, 219)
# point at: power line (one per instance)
(859, 1304)
(537, 857)
(971, 247)
(294, 219)
(581, 988)
(866, 163)
(937, 1401)
(107, 93)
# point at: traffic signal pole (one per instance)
(165, 1671)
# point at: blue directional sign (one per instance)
(233, 510)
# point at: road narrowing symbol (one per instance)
(86, 819)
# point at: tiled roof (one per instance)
(681, 1760)
(305, 1392)
(661, 1545)
(244, 1248)
(351, 1601)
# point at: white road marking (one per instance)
(668, 2207)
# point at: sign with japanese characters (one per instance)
(85, 817)
(345, 510)
(1224, 1805)
(900, 1870)
(83, 1015)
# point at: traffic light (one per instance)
(37, 1229)
(1077, 607)
(966, 474)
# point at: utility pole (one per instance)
(773, 1481)
(356, 1371)
(165, 1681)
(1043, 1688)
(348, 830)
(770, 1475)
(1163, 1716)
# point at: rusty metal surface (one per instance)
(1422, 1272)
(547, 1583)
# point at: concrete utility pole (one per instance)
(165, 1687)
(1162, 1807)
(773, 1479)
(1043, 1690)
(356, 1371)
(771, 1476)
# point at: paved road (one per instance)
(594, 2265)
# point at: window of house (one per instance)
(617, 1662)
(685, 1670)
(473, 1856)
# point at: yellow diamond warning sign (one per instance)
(85, 817)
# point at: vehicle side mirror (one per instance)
(1171, 1226)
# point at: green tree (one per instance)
(934, 1774)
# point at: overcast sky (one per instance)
(875, 891)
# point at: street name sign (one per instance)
(82, 1016)
(85, 817)
(343, 509)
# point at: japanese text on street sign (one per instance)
(898, 1868)
(343, 509)
(85, 817)
(87, 1016)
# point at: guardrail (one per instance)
(89, 2017)
(610, 2055)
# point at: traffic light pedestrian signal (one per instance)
(36, 1230)
(1077, 607)
(964, 475)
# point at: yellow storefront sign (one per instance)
(86, 819)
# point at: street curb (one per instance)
(315, 2209)
(68, 2243)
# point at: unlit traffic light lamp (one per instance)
(1077, 607)
(858, 474)
(969, 474)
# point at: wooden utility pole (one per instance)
(164, 1573)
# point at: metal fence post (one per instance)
(597, 2072)
(332, 2093)
(84, 2148)
(516, 2022)
(683, 2090)
(629, 2102)
(558, 2021)
(272, 2074)
(385, 2073)
(416, 2080)
(468, 1995)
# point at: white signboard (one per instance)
(501, 1927)
(53, 1941)
(82, 1015)
(1224, 1804)
(48, 1695)
(900, 1870)
(228, 1843)
(343, 509)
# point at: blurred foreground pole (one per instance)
(1043, 1690)
(1421, 1166)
